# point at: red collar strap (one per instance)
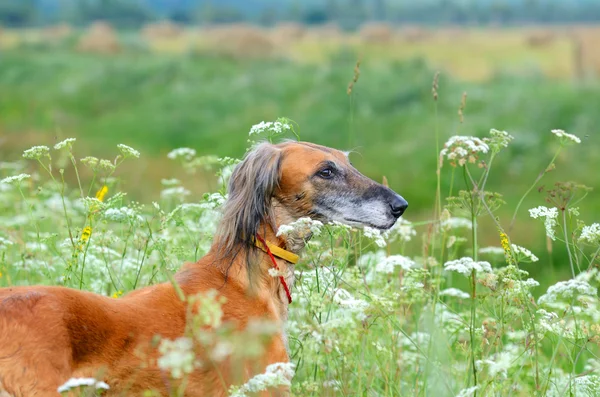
(265, 247)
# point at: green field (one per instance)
(402, 335)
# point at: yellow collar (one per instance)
(278, 252)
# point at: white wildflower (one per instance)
(178, 192)
(550, 215)
(468, 392)
(591, 233)
(375, 235)
(36, 152)
(177, 356)
(402, 230)
(523, 254)
(122, 215)
(455, 292)
(275, 375)
(79, 382)
(15, 179)
(499, 139)
(183, 153)
(5, 243)
(463, 149)
(388, 264)
(304, 227)
(456, 223)
(567, 290)
(500, 362)
(492, 250)
(68, 143)
(275, 127)
(566, 138)
(466, 265)
(345, 299)
(127, 151)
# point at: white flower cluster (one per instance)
(123, 215)
(501, 362)
(591, 233)
(565, 290)
(565, 137)
(36, 152)
(4, 242)
(177, 356)
(455, 293)
(468, 392)
(67, 143)
(127, 151)
(15, 179)
(275, 375)
(275, 127)
(402, 230)
(304, 227)
(82, 382)
(492, 250)
(550, 215)
(456, 223)
(345, 299)
(375, 235)
(466, 265)
(462, 149)
(388, 264)
(182, 153)
(523, 254)
(499, 139)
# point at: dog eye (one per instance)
(326, 173)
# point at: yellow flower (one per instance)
(506, 246)
(117, 294)
(101, 193)
(86, 233)
(0, 274)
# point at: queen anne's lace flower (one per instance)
(36, 152)
(466, 265)
(79, 382)
(15, 179)
(68, 143)
(127, 151)
(183, 153)
(591, 233)
(303, 227)
(566, 138)
(375, 235)
(492, 250)
(463, 149)
(523, 254)
(549, 215)
(388, 264)
(275, 375)
(177, 356)
(457, 223)
(276, 127)
(567, 290)
(454, 292)
(468, 392)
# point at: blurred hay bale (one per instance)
(540, 38)
(288, 31)
(414, 34)
(376, 33)
(241, 41)
(162, 30)
(100, 38)
(586, 43)
(57, 32)
(328, 31)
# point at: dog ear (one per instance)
(251, 189)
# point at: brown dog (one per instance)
(50, 334)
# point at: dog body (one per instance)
(51, 334)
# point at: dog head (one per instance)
(276, 184)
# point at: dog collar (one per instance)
(275, 250)
(288, 256)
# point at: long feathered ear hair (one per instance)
(251, 189)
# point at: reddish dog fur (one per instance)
(51, 334)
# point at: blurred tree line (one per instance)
(347, 13)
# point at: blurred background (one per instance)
(162, 74)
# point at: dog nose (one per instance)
(398, 205)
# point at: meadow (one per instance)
(449, 302)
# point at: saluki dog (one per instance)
(51, 334)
